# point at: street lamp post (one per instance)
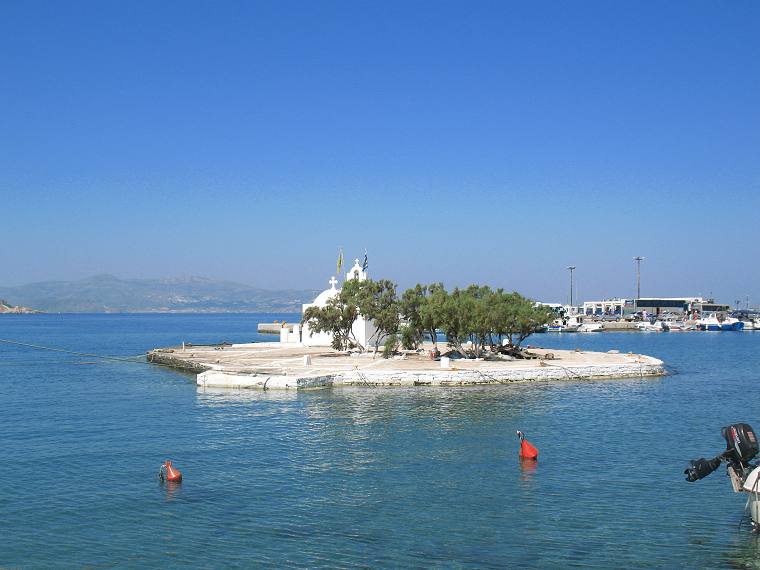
(571, 268)
(638, 259)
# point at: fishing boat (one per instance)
(591, 327)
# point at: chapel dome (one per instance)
(326, 295)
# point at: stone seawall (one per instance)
(453, 377)
(498, 376)
(175, 360)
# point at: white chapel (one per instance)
(363, 329)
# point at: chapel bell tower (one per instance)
(356, 272)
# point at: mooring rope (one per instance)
(53, 349)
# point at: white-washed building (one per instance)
(609, 307)
(363, 329)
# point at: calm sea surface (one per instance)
(412, 477)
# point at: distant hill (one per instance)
(109, 294)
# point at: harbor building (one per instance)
(609, 307)
(652, 305)
(657, 305)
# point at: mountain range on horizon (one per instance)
(192, 294)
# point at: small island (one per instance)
(364, 334)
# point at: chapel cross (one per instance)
(333, 281)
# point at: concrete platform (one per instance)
(275, 366)
(273, 328)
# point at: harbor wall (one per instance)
(443, 377)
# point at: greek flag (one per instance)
(365, 264)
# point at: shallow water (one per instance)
(384, 477)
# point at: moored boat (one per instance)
(559, 327)
(715, 323)
(731, 324)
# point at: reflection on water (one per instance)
(226, 396)
(172, 488)
(527, 468)
(744, 550)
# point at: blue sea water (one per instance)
(362, 477)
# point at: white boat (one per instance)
(646, 326)
(591, 327)
(559, 327)
(712, 322)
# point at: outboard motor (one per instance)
(701, 468)
(741, 448)
(741, 443)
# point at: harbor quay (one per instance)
(273, 365)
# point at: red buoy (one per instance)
(527, 451)
(172, 474)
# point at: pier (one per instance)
(277, 366)
(273, 328)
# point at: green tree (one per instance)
(521, 318)
(480, 321)
(432, 310)
(336, 317)
(390, 346)
(478, 314)
(455, 318)
(411, 304)
(375, 301)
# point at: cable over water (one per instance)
(74, 352)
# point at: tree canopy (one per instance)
(473, 320)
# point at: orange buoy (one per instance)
(527, 451)
(173, 475)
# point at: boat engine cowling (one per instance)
(741, 442)
(741, 448)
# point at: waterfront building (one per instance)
(609, 307)
(686, 305)
(560, 309)
(652, 306)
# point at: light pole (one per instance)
(638, 259)
(571, 268)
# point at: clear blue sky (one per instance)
(492, 142)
